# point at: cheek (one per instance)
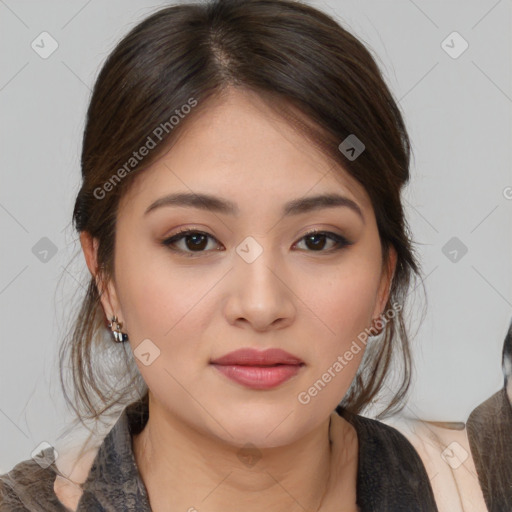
(165, 304)
(161, 300)
(342, 298)
(341, 302)
(341, 309)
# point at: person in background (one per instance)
(490, 438)
(469, 463)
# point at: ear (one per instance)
(108, 295)
(388, 271)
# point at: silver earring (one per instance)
(115, 325)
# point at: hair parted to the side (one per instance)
(312, 72)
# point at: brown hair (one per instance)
(309, 69)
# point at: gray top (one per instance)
(391, 476)
(490, 439)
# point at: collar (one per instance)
(114, 482)
(390, 474)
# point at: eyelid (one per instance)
(180, 234)
(314, 231)
(336, 237)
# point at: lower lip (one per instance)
(259, 377)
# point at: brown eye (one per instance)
(196, 241)
(316, 241)
(193, 241)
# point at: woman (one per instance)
(240, 215)
(489, 430)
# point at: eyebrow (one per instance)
(220, 205)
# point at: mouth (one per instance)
(258, 369)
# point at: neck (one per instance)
(190, 469)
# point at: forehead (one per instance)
(237, 146)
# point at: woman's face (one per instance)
(250, 278)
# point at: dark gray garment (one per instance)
(489, 429)
(391, 476)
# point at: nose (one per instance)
(260, 293)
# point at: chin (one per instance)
(261, 430)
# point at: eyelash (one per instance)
(341, 242)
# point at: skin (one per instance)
(311, 302)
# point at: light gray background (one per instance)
(458, 112)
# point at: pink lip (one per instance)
(259, 369)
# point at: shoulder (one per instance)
(386, 445)
(446, 454)
(28, 486)
(391, 474)
(9, 498)
(22, 484)
(495, 413)
(384, 442)
(489, 429)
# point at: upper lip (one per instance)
(253, 357)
